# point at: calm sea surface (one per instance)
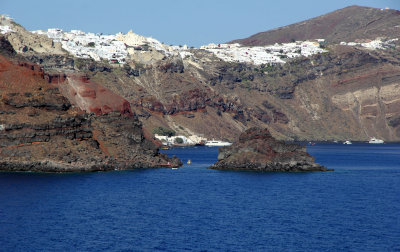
(354, 208)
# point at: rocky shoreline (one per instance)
(43, 130)
(257, 150)
(52, 166)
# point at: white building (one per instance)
(273, 54)
(5, 29)
(373, 44)
(191, 140)
(90, 45)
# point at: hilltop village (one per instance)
(116, 48)
(274, 54)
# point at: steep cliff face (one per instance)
(40, 130)
(357, 100)
(162, 94)
(92, 97)
(375, 109)
(347, 93)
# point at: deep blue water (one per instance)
(354, 208)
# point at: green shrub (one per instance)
(79, 63)
(164, 131)
(179, 140)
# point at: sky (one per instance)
(177, 22)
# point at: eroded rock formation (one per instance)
(257, 150)
(40, 130)
(92, 97)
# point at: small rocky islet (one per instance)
(257, 150)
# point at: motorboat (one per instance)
(375, 141)
(347, 142)
(212, 143)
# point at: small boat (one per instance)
(174, 168)
(347, 142)
(217, 143)
(165, 147)
(189, 162)
(375, 141)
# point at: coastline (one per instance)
(50, 166)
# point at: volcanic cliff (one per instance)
(41, 130)
(346, 92)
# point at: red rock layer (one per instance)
(92, 97)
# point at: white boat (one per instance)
(375, 141)
(347, 142)
(217, 143)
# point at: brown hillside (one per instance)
(348, 24)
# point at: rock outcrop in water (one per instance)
(257, 150)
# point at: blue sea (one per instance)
(354, 208)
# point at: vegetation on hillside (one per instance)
(164, 131)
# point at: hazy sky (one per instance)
(191, 22)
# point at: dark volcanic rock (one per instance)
(5, 47)
(40, 130)
(52, 61)
(257, 150)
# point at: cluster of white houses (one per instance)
(378, 43)
(89, 45)
(273, 54)
(5, 24)
(116, 48)
(5, 29)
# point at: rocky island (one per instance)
(257, 150)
